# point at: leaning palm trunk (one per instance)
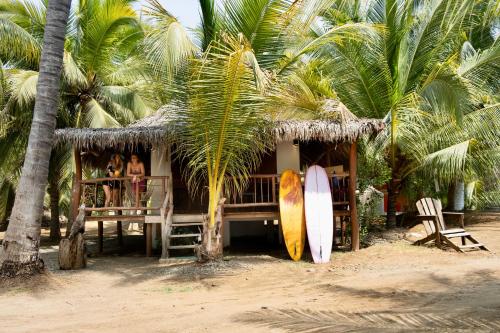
(20, 248)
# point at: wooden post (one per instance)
(100, 232)
(352, 197)
(149, 237)
(119, 227)
(76, 188)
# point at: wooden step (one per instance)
(184, 235)
(174, 225)
(187, 218)
(181, 247)
(470, 246)
(460, 234)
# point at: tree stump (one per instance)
(73, 253)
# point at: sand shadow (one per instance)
(443, 309)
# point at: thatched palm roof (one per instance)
(162, 128)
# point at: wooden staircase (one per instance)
(184, 232)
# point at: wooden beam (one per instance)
(76, 188)
(352, 197)
(115, 218)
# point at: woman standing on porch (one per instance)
(135, 169)
(112, 187)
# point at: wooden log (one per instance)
(76, 188)
(352, 197)
(73, 253)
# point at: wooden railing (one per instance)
(135, 197)
(261, 190)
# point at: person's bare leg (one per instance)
(117, 203)
(107, 195)
(116, 197)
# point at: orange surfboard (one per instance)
(292, 217)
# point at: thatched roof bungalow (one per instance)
(330, 142)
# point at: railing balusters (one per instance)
(136, 189)
(261, 192)
(274, 189)
(254, 189)
(89, 193)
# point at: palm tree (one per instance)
(20, 247)
(222, 147)
(410, 69)
(105, 75)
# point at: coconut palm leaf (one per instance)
(17, 44)
(167, 43)
(481, 68)
(261, 22)
(72, 74)
(95, 115)
(23, 89)
(430, 40)
(209, 22)
(104, 22)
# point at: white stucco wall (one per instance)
(160, 166)
(287, 157)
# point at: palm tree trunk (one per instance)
(392, 196)
(20, 249)
(55, 229)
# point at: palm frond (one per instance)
(167, 43)
(261, 22)
(481, 68)
(23, 88)
(95, 115)
(209, 21)
(102, 31)
(17, 44)
(432, 39)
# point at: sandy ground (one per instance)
(388, 287)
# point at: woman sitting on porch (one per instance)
(112, 187)
(135, 169)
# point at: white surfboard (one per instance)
(319, 214)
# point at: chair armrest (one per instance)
(426, 217)
(452, 213)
